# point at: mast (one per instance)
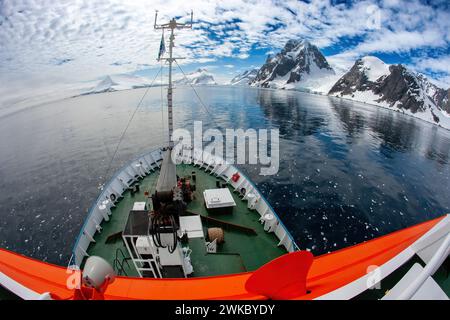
(172, 25)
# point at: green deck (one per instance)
(240, 252)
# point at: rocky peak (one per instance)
(362, 76)
(298, 60)
(372, 81)
(244, 78)
(402, 87)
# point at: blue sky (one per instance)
(51, 45)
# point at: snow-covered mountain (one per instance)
(395, 87)
(361, 77)
(198, 77)
(439, 96)
(244, 78)
(300, 65)
(442, 98)
(117, 83)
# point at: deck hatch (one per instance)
(192, 225)
(218, 198)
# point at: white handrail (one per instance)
(431, 267)
(109, 185)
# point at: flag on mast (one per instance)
(162, 47)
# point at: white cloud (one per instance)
(441, 64)
(402, 41)
(438, 67)
(342, 62)
(67, 41)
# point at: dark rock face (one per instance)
(274, 67)
(442, 99)
(295, 58)
(445, 104)
(353, 80)
(403, 87)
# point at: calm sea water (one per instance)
(349, 172)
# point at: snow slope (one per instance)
(119, 82)
(244, 78)
(198, 77)
(374, 68)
